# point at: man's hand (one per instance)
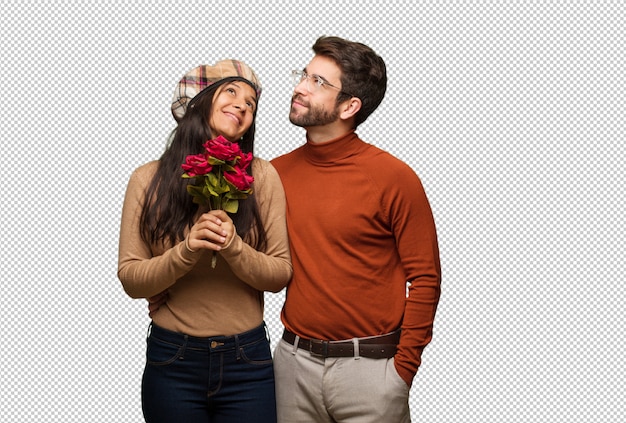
(155, 302)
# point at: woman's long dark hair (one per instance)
(168, 209)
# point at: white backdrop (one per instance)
(512, 113)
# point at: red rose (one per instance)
(196, 165)
(245, 160)
(239, 178)
(222, 149)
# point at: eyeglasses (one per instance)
(313, 82)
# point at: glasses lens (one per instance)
(317, 81)
(297, 77)
(313, 82)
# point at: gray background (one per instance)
(512, 113)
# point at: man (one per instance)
(359, 309)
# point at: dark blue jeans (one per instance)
(221, 379)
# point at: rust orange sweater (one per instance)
(360, 227)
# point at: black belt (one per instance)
(382, 346)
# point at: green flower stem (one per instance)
(215, 203)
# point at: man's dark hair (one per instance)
(363, 72)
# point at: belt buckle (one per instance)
(323, 347)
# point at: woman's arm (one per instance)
(142, 274)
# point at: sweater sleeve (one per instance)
(142, 274)
(267, 270)
(416, 238)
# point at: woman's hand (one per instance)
(212, 231)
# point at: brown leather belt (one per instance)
(382, 346)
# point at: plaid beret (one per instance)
(202, 76)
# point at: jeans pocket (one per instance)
(162, 353)
(257, 353)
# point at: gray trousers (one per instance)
(311, 389)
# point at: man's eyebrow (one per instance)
(314, 74)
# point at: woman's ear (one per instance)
(349, 108)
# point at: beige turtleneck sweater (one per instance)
(204, 301)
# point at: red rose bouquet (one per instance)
(220, 174)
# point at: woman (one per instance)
(208, 355)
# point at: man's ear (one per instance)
(349, 108)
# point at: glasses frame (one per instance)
(299, 75)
